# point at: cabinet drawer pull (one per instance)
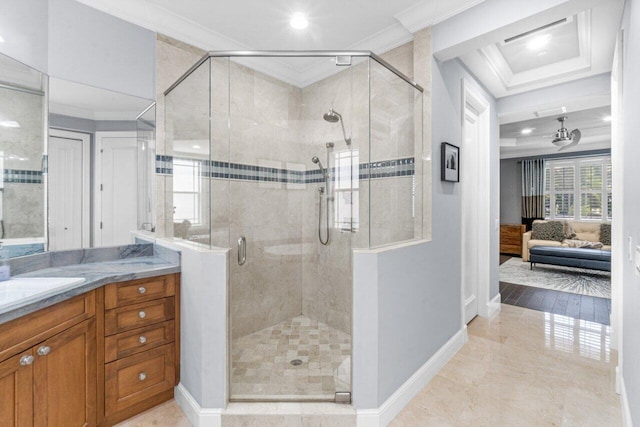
(44, 350)
(142, 339)
(142, 376)
(142, 290)
(142, 314)
(26, 360)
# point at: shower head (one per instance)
(334, 117)
(316, 160)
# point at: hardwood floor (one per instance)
(581, 307)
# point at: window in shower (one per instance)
(186, 190)
(347, 212)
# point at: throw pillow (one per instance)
(568, 230)
(572, 243)
(552, 230)
(605, 234)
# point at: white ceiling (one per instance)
(596, 133)
(579, 47)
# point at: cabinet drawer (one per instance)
(136, 291)
(24, 332)
(127, 343)
(138, 315)
(136, 378)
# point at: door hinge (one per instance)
(101, 187)
(101, 151)
(100, 225)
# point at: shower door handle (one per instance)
(242, 250)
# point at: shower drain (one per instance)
(296, 362)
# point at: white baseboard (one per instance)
(199, 417)
(624, 402)
(383, 415)
(493, 306)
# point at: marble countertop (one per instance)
(96, 271)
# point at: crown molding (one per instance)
(427, 13)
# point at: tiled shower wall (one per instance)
(277, 125)
(22, 148)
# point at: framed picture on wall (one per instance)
(450, 166)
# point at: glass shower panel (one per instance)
(294, 188)
(146, 135)
(187, 158)
(396, 146)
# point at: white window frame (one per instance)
(577, 190)
(195, 164)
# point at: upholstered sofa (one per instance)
(575, 230)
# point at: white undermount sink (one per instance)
(21, 291)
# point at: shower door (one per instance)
(290, 294)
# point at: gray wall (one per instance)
(60, 121)
(510, 191)
(412, 295)
(447, 126)
(88, 46)
(69, 40)
(631, 205)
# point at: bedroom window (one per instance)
(578, 189)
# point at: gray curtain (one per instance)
(532, 190)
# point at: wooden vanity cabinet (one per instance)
(93, 360)
(48, 366)
(140, 342)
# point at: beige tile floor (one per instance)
(520, 368)
(262, 369)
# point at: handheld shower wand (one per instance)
(322, 190)
(317, 161)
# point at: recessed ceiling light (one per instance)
(299, 21)
(196, 146)
(10, 124)
(607, 119)
(527, 131)
(539, 42)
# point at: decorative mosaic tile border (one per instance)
(225, 170)
(19, 176)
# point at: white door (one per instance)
(475, 185)
(68, 190)
(470, 193)
(116, 188)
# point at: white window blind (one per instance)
(578, 189)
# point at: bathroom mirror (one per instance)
(22, 143)
(101, 152)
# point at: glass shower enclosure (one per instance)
(292, 160)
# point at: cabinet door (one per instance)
(64, 378)
(16, 392)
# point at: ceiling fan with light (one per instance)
(563, 138)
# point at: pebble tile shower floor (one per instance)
(262, 368)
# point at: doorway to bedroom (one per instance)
(557, 207)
